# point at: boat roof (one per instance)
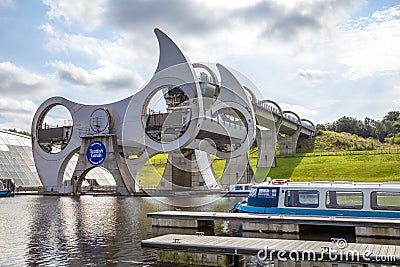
(329, 184)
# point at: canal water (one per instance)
(38, 230)
(88, 230)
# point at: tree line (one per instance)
(386, 130)
(20, 132)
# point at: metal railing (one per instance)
(218, 120)
(275, 111)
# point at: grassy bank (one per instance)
(358, 167)
(340, 157)
(332, 141)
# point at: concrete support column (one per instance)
(112, 163)
(288, 144)
(237, 170)
(166, 179)
(183, 172)
(133, 167)
(177, 174)
(266, 142)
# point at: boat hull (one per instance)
(5, 193)
(244, 208)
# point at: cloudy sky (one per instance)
(322, 59)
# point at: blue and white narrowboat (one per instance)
(323, 199)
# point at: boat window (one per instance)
(385, 200)
(267, 192)
(238, 187)
(344, 199)
(302, 198)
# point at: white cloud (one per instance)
(108, 67)
(369, 46)
(218, 29)
(16, 113)
(107, 77)
(313, 76)
(16, 106)
(303, 112)
(86, 14)
(19, 82)
(227, 4)
(19, 88)
(102, 44)
(396, 95)
(92, 47)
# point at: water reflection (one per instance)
(100, 231)
(212, 202)
(87, 230)
(14, 226)
(64, 229)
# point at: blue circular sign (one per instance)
(96, 153)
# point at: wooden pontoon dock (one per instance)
(203, 250)
(369, 227)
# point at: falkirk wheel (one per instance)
(193, 112)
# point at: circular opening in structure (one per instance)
(98, 179)
(168, 114)
(99, 120)
(205, 73)
(234, 129)
(208, 81)
(179, 174)
(55, 129)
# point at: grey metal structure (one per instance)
(189, 111)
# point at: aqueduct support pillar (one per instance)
(185, 171)
(288, 144)
(237, 170)
(266, 142)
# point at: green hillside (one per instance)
(340, 167)
(340, 156)
(332, 141)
